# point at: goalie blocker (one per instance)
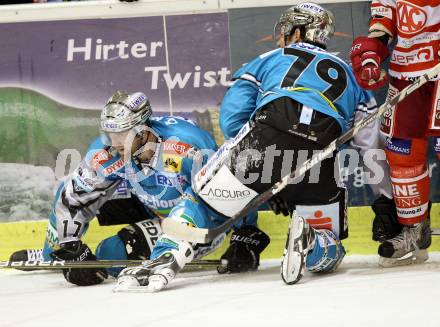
(265, 150)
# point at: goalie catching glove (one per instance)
(77, 251)
(244, 250)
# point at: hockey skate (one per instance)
(27, 255)
(152, 276)
(408, 247)
(300, 239)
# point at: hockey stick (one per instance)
(50, 265)
(203, 235)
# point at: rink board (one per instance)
(22, 235)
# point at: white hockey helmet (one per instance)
(318, 23)
(123, 111)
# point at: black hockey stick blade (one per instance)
(188, 233)
(50, 265)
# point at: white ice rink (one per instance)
(359, 294)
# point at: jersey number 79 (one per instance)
(338, 83)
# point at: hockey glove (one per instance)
(278, 205)
(366, 56)
(244, 250)
(385, 223)
(77, 251)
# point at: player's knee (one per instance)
(111, 248)
(140, 238)
(327, 252)
(133, 242)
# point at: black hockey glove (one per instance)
(278, 205)
(244, 250)
(76, 251)
(385, 223)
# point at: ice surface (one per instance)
(359, 294)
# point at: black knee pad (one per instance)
(140, 238)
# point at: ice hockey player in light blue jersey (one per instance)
(296, 98)
(301, 71)
(138, 172)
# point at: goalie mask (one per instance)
(318, 23)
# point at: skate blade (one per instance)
(133, 289)
(414, 257)
(289, 274)
(292, 266)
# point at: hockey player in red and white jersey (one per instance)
(415, 27)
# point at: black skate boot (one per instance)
(300, 238)
(27, 255)
(408, 247)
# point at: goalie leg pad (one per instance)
(327, 252)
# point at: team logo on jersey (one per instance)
(99, 158)
(170, 180)
(416, 56)
(173, 147)
(411, 18)
(172, 164)
(114, 167)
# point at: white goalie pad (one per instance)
(225, 193)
